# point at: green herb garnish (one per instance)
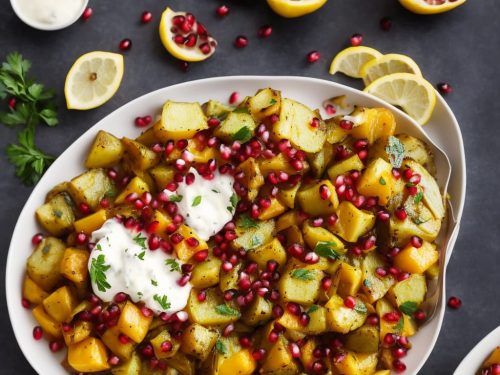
(367, 283)
(399, 326)
(154, 282)
(243, 135)
(141, 255)
(234, 200)
(312, 309)
(139, 240)
(162, 301)
(418, 197)
(98, 273)
(221, 348)
(361, 308)
(174, 265)
(175, 198)
(255, 241)
(246, 222)
(325, 249)
(273, 101)
(302, 274)
(196, 201)
(408, 308)
(242, 110)
(396, 151)
(33, 105)
(226, 310)
(381, 181)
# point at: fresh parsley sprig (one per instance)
(98, 270)
(32, 105)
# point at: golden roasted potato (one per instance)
(206, 274)
(251, 238)
(300, 285)
(162, 352)
(363, 340)
(88, 355)
(57, 216)
(352, 222)
(357, 363)
(60, 304)
(212, 311)
(259, 311)
(180, 121)
(264, 103)
(311, 201)
(214, 108)
(105, 152)
(237, 126)
(32, 292)
(279, 361)
(374, 287)
(271, 251)
(78, 332)
(352, 163)
(343, 319)
(377, 181)
(90, 187)
(44, 264)
(198, 341)
(131, 367)
(50, 326)
(139, 156)
(133, 323)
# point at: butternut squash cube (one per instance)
(74, 265)
(206, 274)
(279, 359)
(240, 363)
(136, 185)
(273, 250)
(79, 332)
(111, 338)
(416, 260)
(32, 292)
(493, 358)
(342, 319)
(157, 342)
(88, 355)
(275, 209)
(132, 323)
(49, 325)
(311, 202)
(90, 223)
(352, 222)
(377, 123)
(198, 341)
(348, 280)
(105, 152)
(180, 121)
(60, 304)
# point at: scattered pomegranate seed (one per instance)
(318, 367)
(444, 88)
(400, 213)
(326, 283)
(120, 297)
(416, 241)
(87, 13)
(147, 351)
(146, 17)
(241, 41)
(350, 302)
(259, 354)
(37, 333)
(454, 302)
(392, 317)
(184, 66)
(389, 339)
(25, 303)
(222, 11)
(398, 366)
(294, 350)
(166, 346)
(386, 23)
(125, 44)
(313, 56)
(346, 124)
(265, 31)
(356, 40)
(55, 346)
(304, 319)
(113, 360)
(12, 103)
(420, 315)
(81, 238)
(495, 369)
(124, 339)
(234, 97)
(36, 239)
(372, 319)
(324, 192)
(245, 341)
(146, 312)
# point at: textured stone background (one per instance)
(460, 47)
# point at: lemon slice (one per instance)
(430, 6)
(188, 44)
(388, 64)
(408, 91)
(350, 60)
(93, 79)
(295, 8)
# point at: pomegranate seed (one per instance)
(326, 283)
(84, 208)
(330, 110)
(314, 122)
(227, 266)
(293, 308)
(37, 333)
(495, 369)
(296, 250)
(385, 23)
(394, 252)
(392, 317)
(380, 271)
(265, 31)
(346, 124)
(412, 190)
(55, 346)
(192, 242)
(245, 341)
(360, 144)
(87, 13)
(304, 319)
(146, 17)
(416, 242)
(294, 350)
(81, 238)
(454, 302)
(176, 238)
(184, 66)
(273, 336)
(356, 250)
(332, 219)
(408, 173)
(350, 302)
(313, 56)
(12, 103)
(398, 366)
(222, 11)
(420, 315)
(36, 239)
(166, 346)
(113, 360)
(241, 41)
(339, 357)
(369, 242)
(125, 44)
(444, 88)
(205, 48)
(147, 351)
(372, 319)
(415, 179)
(277, 311)
(324, 192)
(124, 339)
(400, 214)
(389, 339)
(259, 354)
(383, 215)
(201, 256)
(356, 40)
(297, 165)
(234, 97)
(120, 297)
(311, 258)
(191, 40)
(318, 367)
(146, 312)
(184, 280)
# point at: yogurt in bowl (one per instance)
(49, 14)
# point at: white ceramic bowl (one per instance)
(443, 129)
(45, 26)
(473, 361)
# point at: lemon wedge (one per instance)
(430, 6)
(93, 79)
(408, 91)
(350, 60)
(295, 8)
(388, 64)
(185, 41)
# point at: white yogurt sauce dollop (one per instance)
(206, 205)
(50, 12)
(136, 270)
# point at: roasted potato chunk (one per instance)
(88, 355)
(44, 264)
(198, 341)
(238, 126)
(264, 103)
(212, 311)
(352, 222)
(56, 216)
(105, 152)
(180, 121)
(139, 156)
(90, 187)
(311, 201)
(342, 319)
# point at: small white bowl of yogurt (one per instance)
(49, 14)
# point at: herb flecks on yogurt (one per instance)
(206, 205)
(122, 262)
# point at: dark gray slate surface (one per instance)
(461, 47)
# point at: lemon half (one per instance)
(430, 6)
(350, 60)
(93, 79)
(388, 64)
(409, 91)
(295, 8)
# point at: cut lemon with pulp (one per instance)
(184, 37)
(93, 79)
(350, 60)
(295, 8)
(430, 6)
(388, 64)
(408, 91)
